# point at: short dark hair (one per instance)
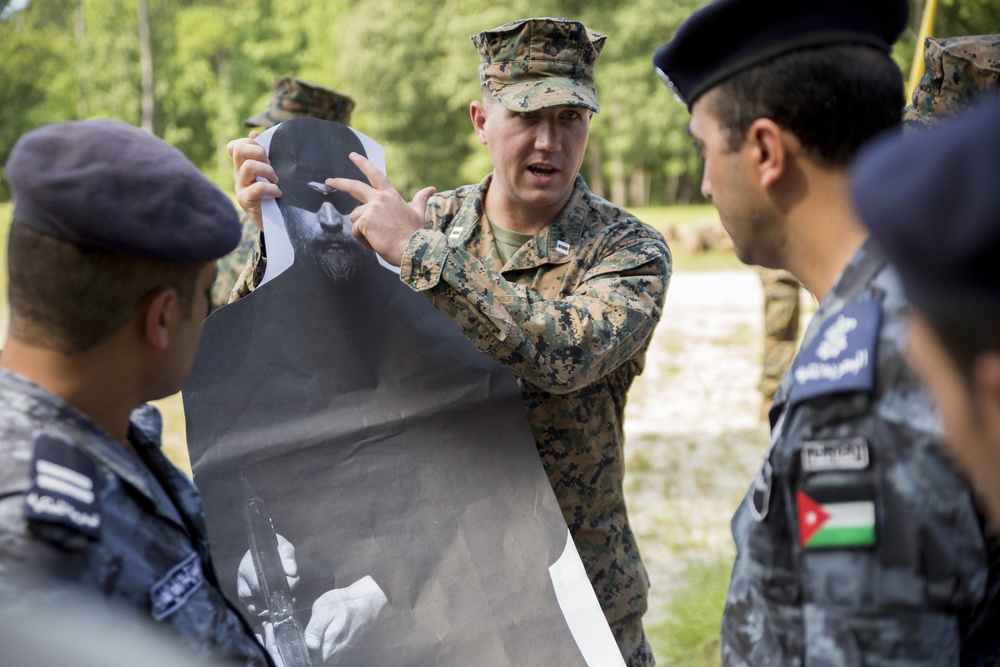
(72, 298)
(832, 98)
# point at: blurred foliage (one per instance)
(410, 67)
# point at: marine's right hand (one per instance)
(250, 162)
(247, 585)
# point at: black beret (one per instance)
(104, 184)
(930, 200)
(728, 36)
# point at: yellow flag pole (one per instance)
(926, 27)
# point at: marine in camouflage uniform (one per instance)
(858, 543)
(570, 312)
(290, 98)
(91, 511)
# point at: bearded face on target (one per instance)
(304, 153)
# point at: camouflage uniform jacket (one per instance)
(571, 315)
(81, 515)
(859, 543)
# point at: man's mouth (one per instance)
(542, 170)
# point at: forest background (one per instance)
(191, 70)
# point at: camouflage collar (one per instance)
(553, 244)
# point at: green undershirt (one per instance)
(507, 242)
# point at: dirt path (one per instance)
(694, 436)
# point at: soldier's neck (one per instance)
(84, 381)
(519, 217)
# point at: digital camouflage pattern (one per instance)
(781, 327)
(926, 593)
(535, 63)
(294, 98)
(956, 71)
(570, 314)
(151, 522)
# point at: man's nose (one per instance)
(547, 138)
(331, 219)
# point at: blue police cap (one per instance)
(104, 184)
(728, 36)
(930, 199)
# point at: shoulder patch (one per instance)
(169, 593)
(841, 358)
(841, 454)
(64, 487)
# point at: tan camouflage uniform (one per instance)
(290, 98)
(956, 71)
(781, 329)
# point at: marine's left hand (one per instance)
(384, 221)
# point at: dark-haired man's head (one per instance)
(782, 95)
(832, 98)
(304, 153)
(112, 253)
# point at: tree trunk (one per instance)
(638, 188)
(618, 180)
(81, 103)
(595, 157)
(146, 61)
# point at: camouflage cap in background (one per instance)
(956, 71)
(294, 98)
(536, 63)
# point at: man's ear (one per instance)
(157, 320)
(986, 385)
(769, 151)
(477, 111)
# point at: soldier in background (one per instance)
(957, 70)
(112, 254)
(782, 311)
(859, 543)
(290, 98)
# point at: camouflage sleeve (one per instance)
(558, 345)
(253, 271)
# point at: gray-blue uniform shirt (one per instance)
(80, 514)
(859, 543)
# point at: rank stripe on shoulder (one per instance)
(59, 479)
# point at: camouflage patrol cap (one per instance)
(956, 71)
(536, 63)
(294, 98)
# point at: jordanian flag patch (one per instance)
(835, 525)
